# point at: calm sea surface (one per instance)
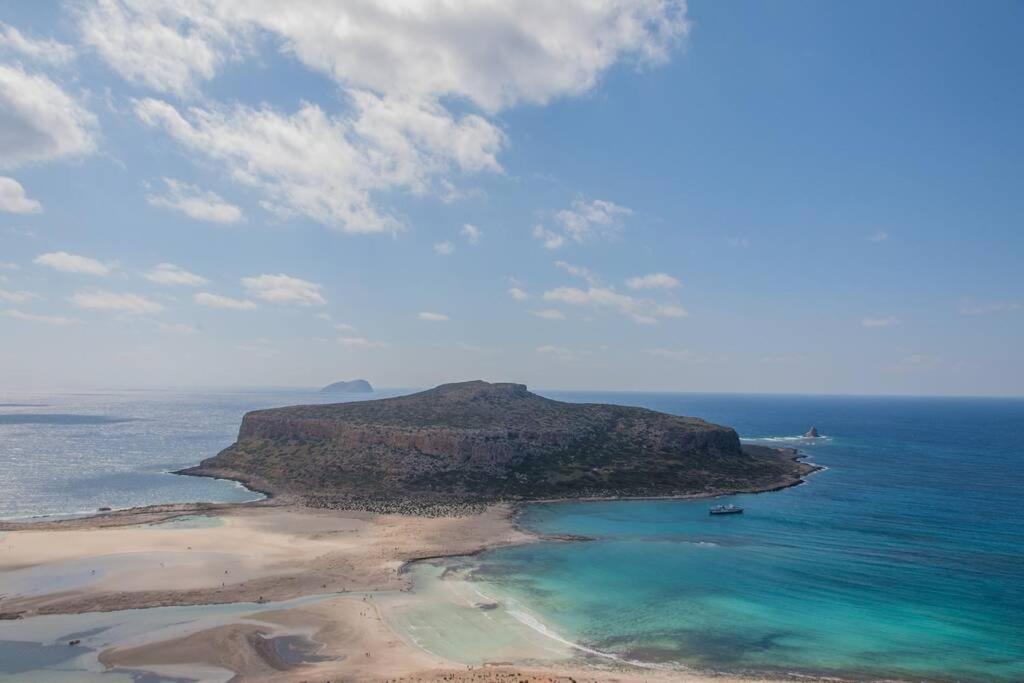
(904, 558)
(73, 453)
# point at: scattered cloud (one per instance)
(283, 289)
(344, 327)
(683, 355)
(887, 321)
(577, 271)
(486, 53)
(639, 310)
(71, 263)
(549, 314)
(879, 236)
(360, 343)
(33, 317)
(130, 304)
(444, 248)
(326, 168)
(218, 301)
(471, 233)
(738, 242)
(559, 352)
(40, 121)
(434, 317)
(19, 297)
(195, 203)
(968, 307)
(518, 294)
(177, 328)
(13, 198)
(584, 221)
(44, 50)
(653, 281)
(552, 240)
(170, 274)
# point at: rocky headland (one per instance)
(475, 443)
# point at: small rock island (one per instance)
(476, 442)
(355, 386)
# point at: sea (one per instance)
(902, 558)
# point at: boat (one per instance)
(726, 510)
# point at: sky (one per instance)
(783, 197)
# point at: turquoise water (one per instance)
(905, 558)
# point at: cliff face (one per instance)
(475, 441)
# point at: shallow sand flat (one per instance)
(339, 572)
(268, 553)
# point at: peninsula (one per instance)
(476, 442)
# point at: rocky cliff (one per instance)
(478, 442)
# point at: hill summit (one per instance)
(481, 442)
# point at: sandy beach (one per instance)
(263, 554)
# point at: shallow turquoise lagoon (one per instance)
(905, 558)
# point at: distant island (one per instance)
(476, 442)
(355, 386)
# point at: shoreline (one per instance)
(282, 550)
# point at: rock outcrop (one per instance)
(479, 442)
(811, 433)
(355, 386)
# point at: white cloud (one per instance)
(433, 317)
(444, 248)
(71, 263)
(495, 53)
(170, 274)
(195, 203)
(19, 297)
(39, 121)
(45, 50)
(359, 343)
(344, 327)
(327, 168)
(518, 294)
(552, 240)
(879, 236)
(177, 328)
(404, 65)
(549, 314)
(559, 352)
(887, 321)
(584, 221)
(683, 355)
(33, 317)
(970, 308)
(283, 289)
(739, 242)
(577, 271)
(653, 281)
(639, 310)
(13, 198)
(218, 301)
(471, 233)
(131, 304)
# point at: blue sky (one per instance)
(771, 197)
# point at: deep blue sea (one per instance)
(904, 558)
